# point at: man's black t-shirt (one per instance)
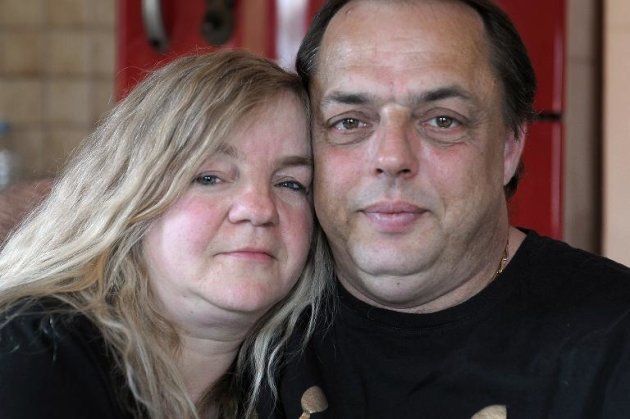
(549, 338)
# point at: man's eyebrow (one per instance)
(440, 94)
(415, 99)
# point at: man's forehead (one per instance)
(393, 47)
(400, 24)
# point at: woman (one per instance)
(148, 283)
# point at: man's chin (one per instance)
(393, 293)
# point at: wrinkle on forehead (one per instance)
(456, 18)
(351, 47)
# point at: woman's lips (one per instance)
(256, 255)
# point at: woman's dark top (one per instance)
(56, 365)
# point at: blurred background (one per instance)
(64, 63)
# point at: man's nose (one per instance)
(395, 150)
(254, 204)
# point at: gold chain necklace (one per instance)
(502, 262)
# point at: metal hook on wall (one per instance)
(218, 23)
(154, 24)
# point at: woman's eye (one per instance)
(293, 185)
(207, 179)
(349, 124)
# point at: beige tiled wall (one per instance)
(56, 76)
(616, 161)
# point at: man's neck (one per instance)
(467, 288)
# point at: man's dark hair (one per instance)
(508, 57)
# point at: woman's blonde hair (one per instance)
(83, 244)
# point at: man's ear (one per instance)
(512, 152)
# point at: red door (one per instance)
(538, 203)
(154, 31)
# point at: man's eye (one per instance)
(443, 122)
(207, 179)
(349, 124)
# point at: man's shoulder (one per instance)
(549, 256)
(572, 284)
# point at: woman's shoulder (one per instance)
(54, 362)
(44, 325)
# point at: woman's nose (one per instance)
(255, 205)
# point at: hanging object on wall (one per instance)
(218, 23)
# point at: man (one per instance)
(444, 310)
